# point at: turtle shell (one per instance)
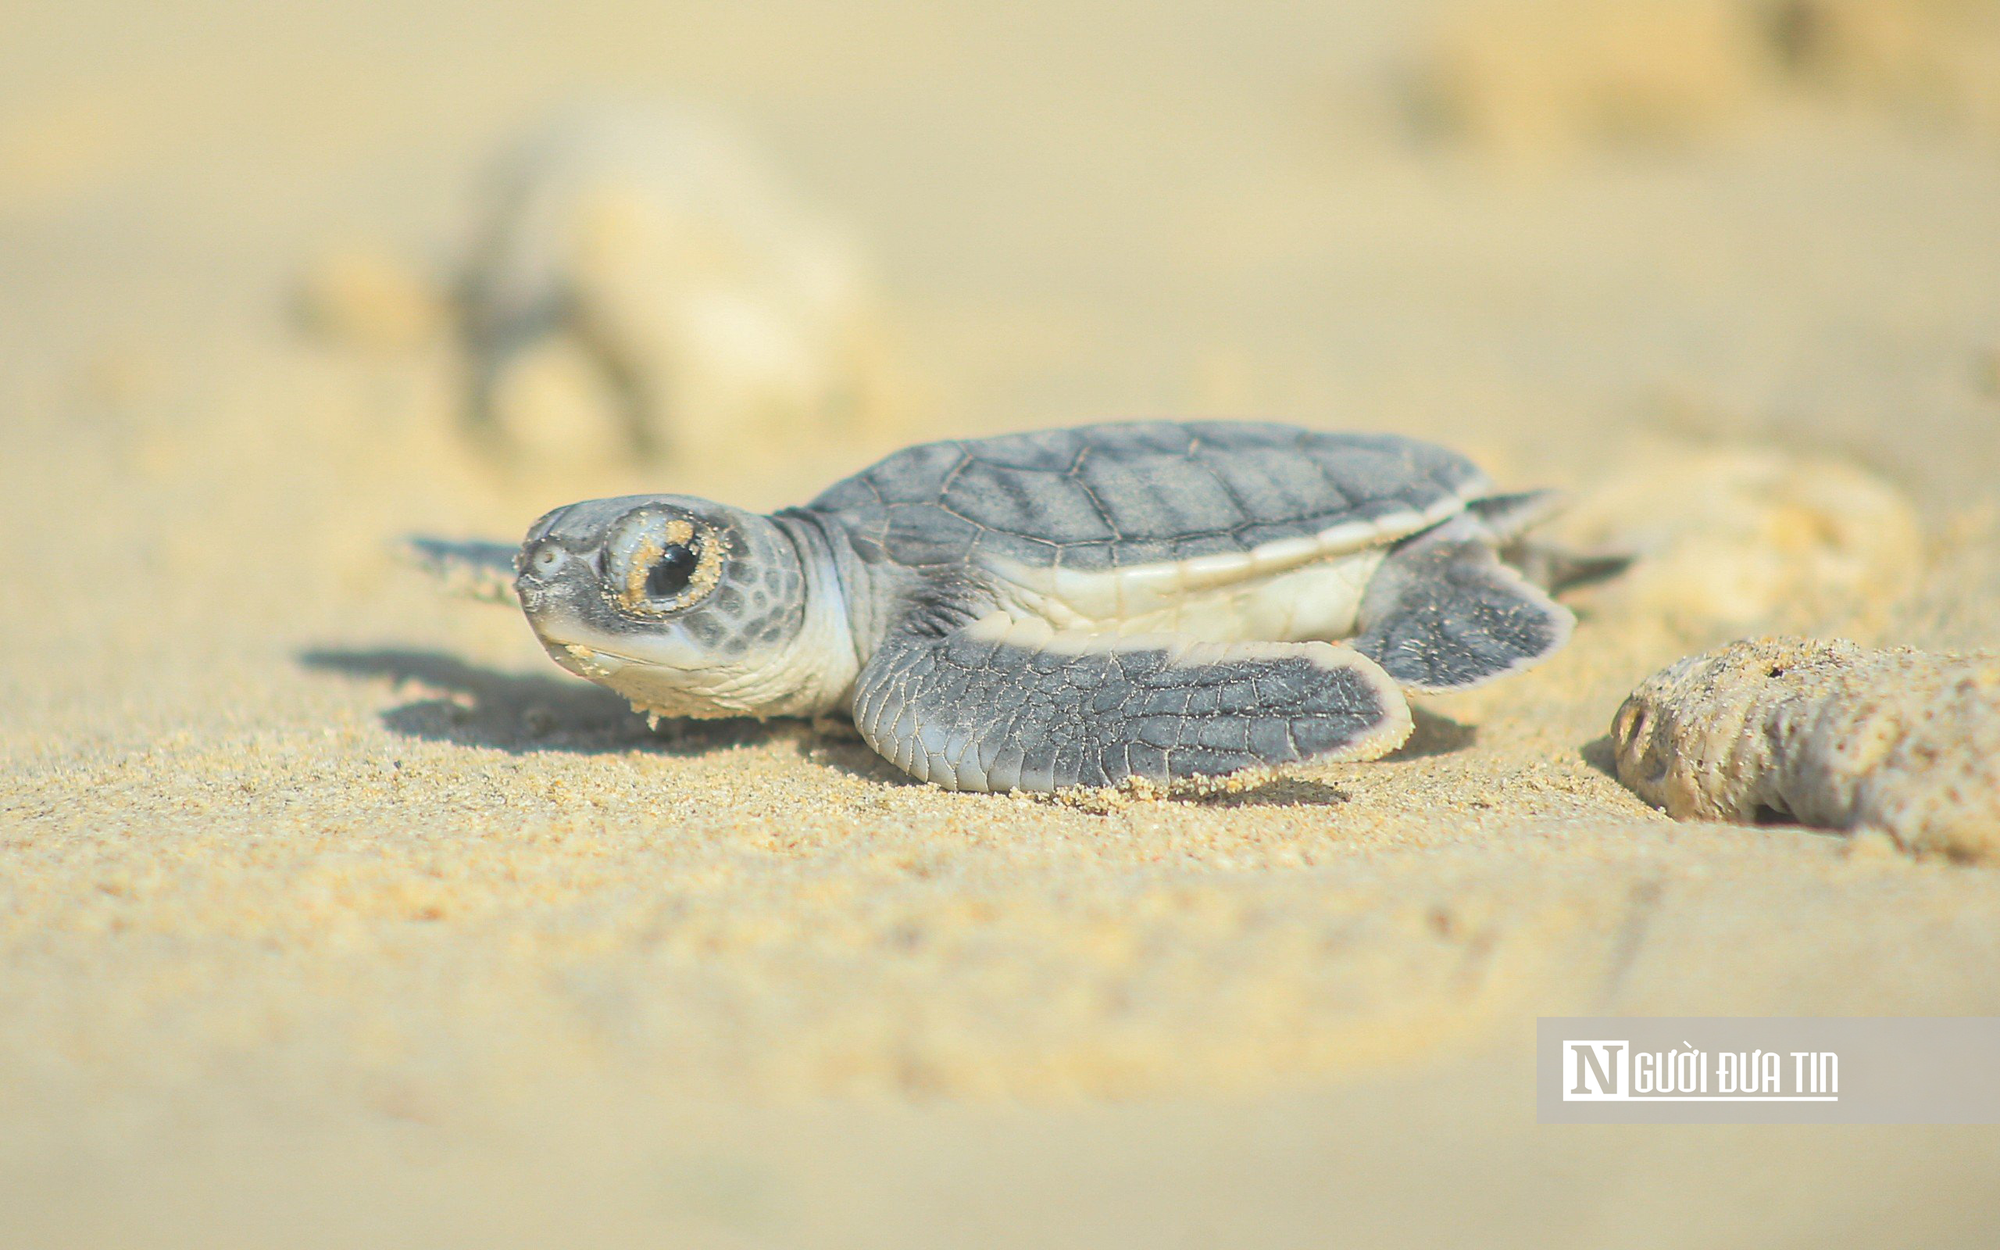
(1099, 498)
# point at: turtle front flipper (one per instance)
(1448, 615)
(1011, 704)
(471, 570)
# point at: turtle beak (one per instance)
(559, 590)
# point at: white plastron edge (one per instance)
(1142, 589)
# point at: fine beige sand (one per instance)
(332, 914)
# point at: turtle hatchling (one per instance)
(1140, 604)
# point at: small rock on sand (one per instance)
(1900, 742)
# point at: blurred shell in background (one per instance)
(1736, 539)
(1536, 79)
(641, 283)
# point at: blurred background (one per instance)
(1452, 217)
(315, 277)
(279, 283)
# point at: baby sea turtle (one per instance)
(1143, 603)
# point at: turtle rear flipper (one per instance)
(471, 570)
(1011, 704)
(1555, 568)
(1558, 569)
(1448, 615)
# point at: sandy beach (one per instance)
(333, 914)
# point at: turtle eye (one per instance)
(671, 573)
(656, 564)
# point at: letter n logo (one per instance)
(1597, 1071)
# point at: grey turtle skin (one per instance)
(1151, 602)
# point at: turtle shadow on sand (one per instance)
(470, 705)
(1433, 735)
(1278, 792)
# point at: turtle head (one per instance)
(685, 607)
